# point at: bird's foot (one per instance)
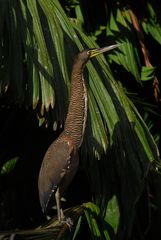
(63, 220)
(68, 221)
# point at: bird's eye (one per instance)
(88, 53)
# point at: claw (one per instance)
(68, 221)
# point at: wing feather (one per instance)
(59, 166)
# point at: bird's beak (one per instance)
(94, 52)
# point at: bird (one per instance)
(61, 160)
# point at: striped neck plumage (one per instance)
(77, 111)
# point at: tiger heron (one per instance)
(61, 160)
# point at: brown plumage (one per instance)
(55, 171)
(61, 160)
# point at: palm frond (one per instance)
(50, 229)
(152, 22)
(119, 27)
(41, 43)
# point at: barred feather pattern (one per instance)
(77, 111)
(61, 160)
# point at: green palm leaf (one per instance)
(152, 24)
(120, 28)
(42, 42)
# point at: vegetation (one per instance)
(116, 192)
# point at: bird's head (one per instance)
(96, 51)
(87, 54)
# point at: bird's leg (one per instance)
(61, 216)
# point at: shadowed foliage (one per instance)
(117, 186)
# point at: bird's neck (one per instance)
(77, 111)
